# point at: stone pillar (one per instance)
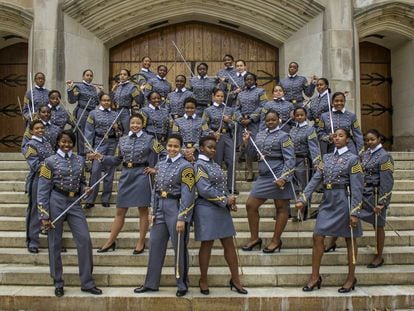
(47, 42)
(338, 48)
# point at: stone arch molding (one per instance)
(15, 20)
(396, 17)
(116, 21)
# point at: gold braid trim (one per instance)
(90, 120)
(30, 151)
(45, 172)
(313, 135)
(184, 212)
(287, 143)
(263, 97)
(216, 199)
(356, 208)
(356, 124)
(42, 211)
(288, 172)
(200, 173)
(157, 146)
(188, 178)
(387, 166)
(357, 168)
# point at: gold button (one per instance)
(163, 194)
(129, 165)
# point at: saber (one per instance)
(290, 119)
(109, 129)
(233, 177)
(182, 57)
(20, 106)
(31, 93)
(350, 227)
(84, 109)
(382, 217)
(235, 83)
(222, 115)
(330, 112)
(177, 259)
(77, 200)
(376, 221)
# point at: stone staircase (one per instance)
(274, 281)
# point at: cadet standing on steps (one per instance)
(277, 149)
(145, 74)
(59, 115)
(86, 94)
(172, 210)
(212, 218)
(175, 99)
(295, 86)
(159, 84)
(35, 151)
(40, 96)
(61, 182)
(378, 167)
(226, 78)
(202, 87)
(342, 177)
(104, 139)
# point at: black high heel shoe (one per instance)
(330, 248)
(104, 250)
(250, 247)
(267, 250)
(318, 284)
(203, 291)
(344, 290)
(239, 290)
(139, 251)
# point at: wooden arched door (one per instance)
(13, 72)
(199, 42)
(376, 105)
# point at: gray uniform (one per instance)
(213, 115)
(51, 133)
(59, 116)
(160, 85)
(319, 105)
(228, 85)
(283, 108)
(134, 152)
(277, 148)
(35, 152)
(212, 218)
(61, 182)
(144, 75)
(202, 88)
(337, 173)
(378, 183)
(123, 97)
(175, 102)
(295, 86)
(82, 93)
(191, 130)
(40, 97)
(97, 125)
(173, 201)
(345, 120)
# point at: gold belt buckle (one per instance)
(189, 145)
(224, 131)
(329, 186)
(71, 194)
(293, 101)
(129, 165)
(163, 194)
(316, 120)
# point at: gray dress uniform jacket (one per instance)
(59, 116)
(378, 167)
(295, 86)
(212, 218)
(40, 97)
(144, 75)
(202, 88)
(61, 182)
(283, 107)
(175, 102)
(228, 85)
(342, 177)
(35, 152)
(51, 133)
(173, 201)
(191, 130)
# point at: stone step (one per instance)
(299, 239)
(23, 297)
(103, 224)
(257, 276)
(287, 257)
(21, 197)
(266, 210)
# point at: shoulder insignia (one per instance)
(356, 124)
(27, 134)
(45, 172)
(200, 173)
(187, 177)
(148, 86)
(357, 168)
(204, 127)
(320, 166)
(313, 135)
(321, 124)
(263, 97)
(175, 128)
(387, 166)
(136, 92)
(287, 143)
(30, 151)
(156, 146)
(42, 210)
(90, 120)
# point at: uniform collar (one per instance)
(228, 68)
(39, 139)
(53, 107)
(200, 77)
(241, 74)
(292, 76)
(130, 133)
(194, 116)
(203, 157)
(145, 69)
(324, 93)
(217, 105)
(175, 158)
(274, 130)
(341, 151)
(124, 83)
(378, 147)
(159, 78)
(182, 90)
(103, 109)
(342, 110)
(278, 99)
(62, 154)
(304, 123)
(39, 87)
(46, 122)
(84, 82)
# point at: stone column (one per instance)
(338, 48)
(47, 42)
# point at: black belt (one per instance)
(335, 186)
(371, 185)
(166, 195)
(70, 194)
(102, 136)
(274, 158)
(134, 164)
(301, 155)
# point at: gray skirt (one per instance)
(367, 212)
(133, 188)
(333, 215)
(265, 188)
(211, 221)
